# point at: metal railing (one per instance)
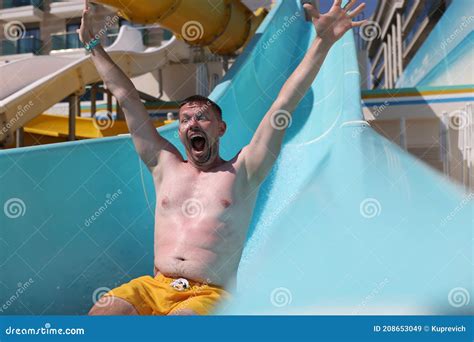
(360, 42)
(23, 45)
(67, 40)
(20, 3)
(144, 30)
(70, 40)
(461, 124)
(112, 35)
(426, 12)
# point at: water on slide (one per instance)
(346, 222)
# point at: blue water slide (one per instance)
(346, 222)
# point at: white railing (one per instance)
(461, 121)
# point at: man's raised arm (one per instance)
(148, 142)
(265, 145)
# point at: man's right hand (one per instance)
(149, 144)
(86, 33)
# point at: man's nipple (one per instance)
(165, 202)
(225, 203)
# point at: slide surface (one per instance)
(346, 223)
(33, 85)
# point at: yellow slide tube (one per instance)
(222, 25)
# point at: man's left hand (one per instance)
(331, 26)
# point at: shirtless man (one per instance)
(204, 203)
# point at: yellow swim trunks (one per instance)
(162, 295)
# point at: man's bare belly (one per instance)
(201, 224)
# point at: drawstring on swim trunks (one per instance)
(180, 284)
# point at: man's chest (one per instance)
(193, 194)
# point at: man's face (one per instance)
(199, 130)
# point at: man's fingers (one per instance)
(311, 10)
(359, 23)
(337, 3)
(86, 18)
(81, 38)
(85, 15)
(349, 5)
(357, 11)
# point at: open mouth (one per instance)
(198, 141)
(200, 148)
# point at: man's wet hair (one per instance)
(206, 101)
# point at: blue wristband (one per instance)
(92, 44)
